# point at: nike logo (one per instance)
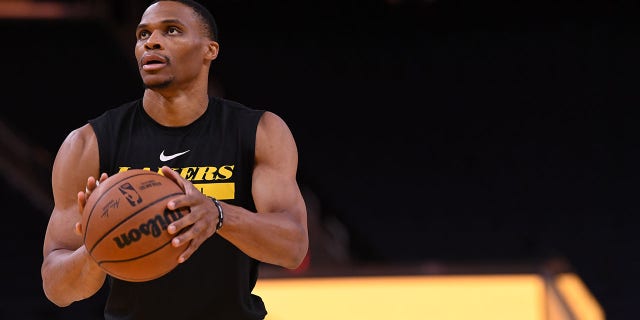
(164, 158)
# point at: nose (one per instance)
(153, 42)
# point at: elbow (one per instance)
(52, 290)
(58, 303)
(298, 255)
(49, 292)
(294, 263)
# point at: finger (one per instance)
(186, 235)
(92, 183)
(82, 201)
(177, 203)
(196, 233)
(182, 223)
(175, 177)
(181, 241)
(78, 228)
(90, 186)
(171, 174)
(186, 254)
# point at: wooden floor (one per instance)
(428, 291)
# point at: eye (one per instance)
(173, 30)
(143, 34)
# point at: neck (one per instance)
(175, 110)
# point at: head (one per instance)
(176, 43)
(209, 23)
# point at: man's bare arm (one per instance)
(68, 273)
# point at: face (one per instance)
(172, 48)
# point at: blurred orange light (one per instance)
(442, 297)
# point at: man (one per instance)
(213, 148)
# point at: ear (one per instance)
(212, 50)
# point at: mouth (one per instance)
(152, 62)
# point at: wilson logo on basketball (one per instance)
(153, 227)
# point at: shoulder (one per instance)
(79, 140)
(274, 139)
(78, 153)
(229, 105)
(271, 122)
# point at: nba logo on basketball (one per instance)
(130, 194)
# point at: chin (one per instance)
(158, 84)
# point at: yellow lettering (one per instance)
(188, 172)
(205, 174)
(225, 172)
(123, 169)
(197, 174)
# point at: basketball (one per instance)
(125, 222)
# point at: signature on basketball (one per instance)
(112, 204)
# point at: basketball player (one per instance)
(213, 148)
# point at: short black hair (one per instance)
(205, 15)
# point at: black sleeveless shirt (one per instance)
(216, 153)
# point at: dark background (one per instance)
(456, 131)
